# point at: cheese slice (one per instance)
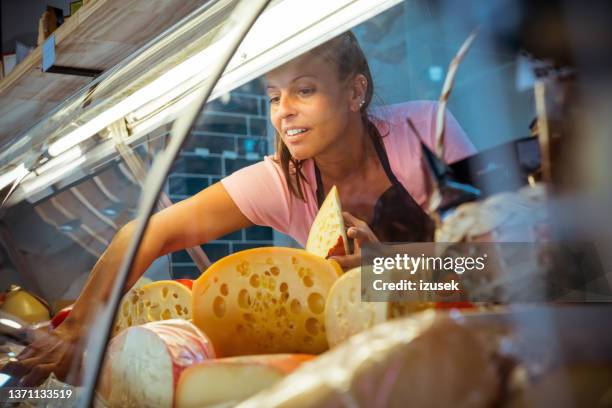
(143, 363)
(155, 301)
(230, 380)
(346, 314)
(327, 234)
(265, 300)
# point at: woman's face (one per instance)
(309, 105)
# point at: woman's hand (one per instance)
(360, 232)
(55, 352)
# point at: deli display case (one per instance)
(150, 256)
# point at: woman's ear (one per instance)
(358, 88)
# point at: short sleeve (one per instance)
(457, 146)
(260, 192)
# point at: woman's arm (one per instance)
(204, 217)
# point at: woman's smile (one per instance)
(295, 135)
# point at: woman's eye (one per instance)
(306, 91)
(273, 99)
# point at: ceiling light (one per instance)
(12, 175)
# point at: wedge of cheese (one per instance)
(143, 363)
(265, 300)
(327, 234)
(155, 301)
(346, 314)
(227, 381)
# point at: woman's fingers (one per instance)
(37, 375)
(350, 220)
(14, 368)
(48, 354)
(360, 234)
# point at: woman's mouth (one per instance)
(295, 134)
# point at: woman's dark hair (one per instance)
(346, 55)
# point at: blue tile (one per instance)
(222, 124)
(255, 87)
(186, 185)
(257, 145)
(236, 104)
(259, 233)
(181, 256)
(197, 165)
(231, 165)
(215, 144)
(259, 127)
(216, 251)
(185, 272)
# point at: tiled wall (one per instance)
(231, 134)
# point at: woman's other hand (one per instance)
(54, 351)
(360, 232)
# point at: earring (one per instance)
(361, 104)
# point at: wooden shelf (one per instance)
(98, 36)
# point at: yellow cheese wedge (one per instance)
(265, 300)
(327, 235)
(161, 300)
(227, 381)
(25, 306)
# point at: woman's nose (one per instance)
(285, 107)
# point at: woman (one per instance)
(325, 137)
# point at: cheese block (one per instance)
(327, 234)
(265, 300)
(143, 363)
(155, 301)
(429, 361)
(230, 380)
(25, 306)
(346, 314)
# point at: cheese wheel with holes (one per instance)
(327, 234)
(230, 380)
(143, 363)
(265, 300)
(161, 300)
(346, 314)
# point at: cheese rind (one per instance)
(143, 363)
(233, 379)
(161, 300)
(265, 300)
(327, 233)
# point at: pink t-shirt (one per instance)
(260, 191)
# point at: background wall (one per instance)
(410, 47)
(20, 20)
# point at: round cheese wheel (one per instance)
(143, 363)
(265, 300)
(161, 300)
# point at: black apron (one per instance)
(397, 217)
